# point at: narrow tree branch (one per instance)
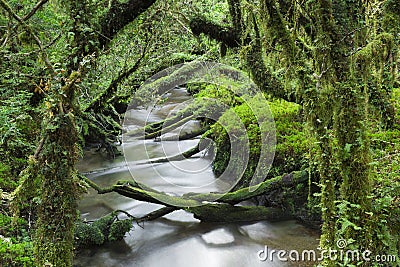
(7, 8)
(93, 185)
(34, 9)
(39, 148)
(156, 214)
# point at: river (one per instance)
(177, 239)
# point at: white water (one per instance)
(177, 240)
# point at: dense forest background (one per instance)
(328, 69)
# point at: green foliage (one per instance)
(385, 145)
(292, 145)
(15, 245)
(9, 227)
(221, 93)
(106, 229)
(6, 182)
(18, 132)
(16, 254)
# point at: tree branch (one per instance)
(185, 155)
(120, 15)
(156, 214)
(7, 8)
(222, 209)
(225, 34)
(34, 9)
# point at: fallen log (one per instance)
(185, 155)
(165, 129)
(235, 197)
(211, 207)
(185, 136)
(158, 126)
(229, 213)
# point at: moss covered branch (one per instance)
(185, 155)
(185, 136)
(120, 15)
(222, 209)
(166, 129)
(225, 34)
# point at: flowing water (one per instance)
(177, 239)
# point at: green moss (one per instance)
(104, 223)
(390, 21)
(292, 142)
(105, 229)
(86, 235)
(119, 228)
(376, 50)
(222, 93)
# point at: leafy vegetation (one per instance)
(329, 70)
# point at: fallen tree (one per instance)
(210, 207)
(185, 155)
(185, 136)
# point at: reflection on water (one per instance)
(177, 239)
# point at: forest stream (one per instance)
(176, 239)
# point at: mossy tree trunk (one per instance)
(57, 210)
(58, 184)
(50, 175)
(335, 53)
